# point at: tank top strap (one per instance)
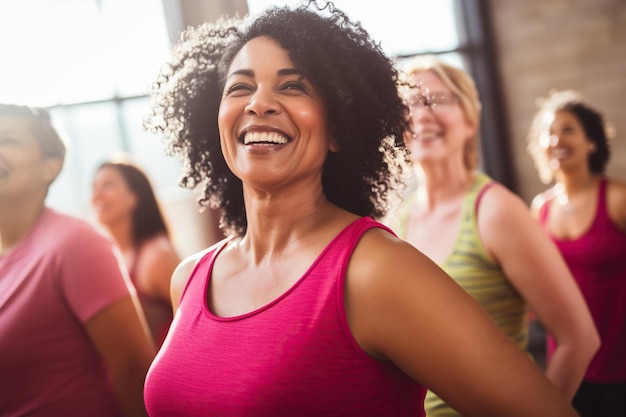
(481, 183)
(602, 208)
(200, 273)
(366, 223)
(543, 211)
(601, 220)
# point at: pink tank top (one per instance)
(597, 261)
(293, 357)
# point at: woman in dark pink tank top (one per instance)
(585, 214)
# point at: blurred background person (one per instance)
(479, 232)
(125, 204)
(584, 213)
(73, 341)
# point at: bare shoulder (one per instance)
(379, 250)
(539, 200)
(386, 271)
(380, 259)
(616, 202)
(159, 250)
(183, 272)
(504, 222)
(159, 242)
(499, 205)
(617, 188)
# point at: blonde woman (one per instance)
(479, 232)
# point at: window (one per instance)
(403, 27)
(90, 62)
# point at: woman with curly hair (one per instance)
(584, 213)
(292, 124)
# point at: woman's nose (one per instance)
(421, 114)
(263, 103)
(548, 140)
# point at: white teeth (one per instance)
(264, 137)
(559, 153)
(427, 136)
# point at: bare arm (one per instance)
(156, 266)
(121, 337)
(404, 308)
(181, 276)
(536, 204)
(536, 268)
(179, 280)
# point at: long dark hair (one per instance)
(148, 220)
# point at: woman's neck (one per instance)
(575, 182)
(16, 221)
(122, 233)
(277, 223)
(441, 183)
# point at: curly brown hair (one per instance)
(358, 84)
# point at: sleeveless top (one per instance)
(295, 356)
(597, 260)
(473, 269)
(158, 312)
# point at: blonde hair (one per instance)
(462, 85)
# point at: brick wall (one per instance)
(546, 44)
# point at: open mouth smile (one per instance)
(264, 138)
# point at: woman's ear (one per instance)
(333, 146)
(472, 131)
(52, 168)
(592, 147)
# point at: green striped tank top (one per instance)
(474, 270)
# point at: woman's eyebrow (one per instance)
(280, 72)
(289, 71)
(246, 72)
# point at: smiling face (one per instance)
(273, 125)
(566, 144)
(440, 131)
(25, 174)
(112, 199)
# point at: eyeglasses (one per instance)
(437, 102)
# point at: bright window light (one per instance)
(403, 27)
(68, 51)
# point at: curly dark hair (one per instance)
(358, 84)
(148, 220)
(596, 128)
